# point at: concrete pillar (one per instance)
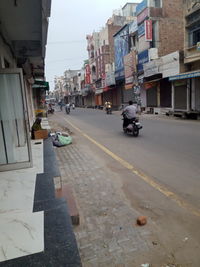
(188, 94)
(193, 106)
(172, 88)
(158, 95)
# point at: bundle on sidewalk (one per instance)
(60, 139)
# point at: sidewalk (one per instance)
(108, 234)
(35, 226)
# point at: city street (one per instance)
(157, 173)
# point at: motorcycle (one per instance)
(109, 110)
(50, 110)
(133, 127)
(67, 109)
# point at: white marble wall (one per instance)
(21, 231)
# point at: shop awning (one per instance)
(186, 75)
(41, 85)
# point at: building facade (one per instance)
(22, 53)
(160, 41)
(186, 86)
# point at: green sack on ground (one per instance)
(65, 140)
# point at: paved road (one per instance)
(167, 151)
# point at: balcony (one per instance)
(191, 54)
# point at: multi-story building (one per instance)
(160, 40)
(102, 56)
(71, 88)
(59, 88)
(186, 86)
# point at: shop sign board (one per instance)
(143, 16)
(148, 30)
(141, 30)
(133, 27)
(130, 66)
(140, 7)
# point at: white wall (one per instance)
(6, 54)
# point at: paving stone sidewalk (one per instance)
(107, 235)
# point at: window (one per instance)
(194, 37)
(157, 3)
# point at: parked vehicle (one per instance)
(133, 127)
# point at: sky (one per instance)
(70, 22)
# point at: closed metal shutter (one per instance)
(152, 97)
(197, 94)
(128, 95)
(180, 97)
(165, 93)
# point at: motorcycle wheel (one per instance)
(135, 131)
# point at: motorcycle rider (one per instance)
(129, 114)
(67, 108)
(108, 105)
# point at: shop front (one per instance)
(186, 93)
(151, 88)
(98, 97)
(14, 132)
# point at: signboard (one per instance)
(170, 64)
(148, 30)
(148, 85)
(133, 27)
(198, 46)
(141, 30)
(121, 49)
(128, 86)
(143, 16)
(110, 78)
(142, 44)
(103, 80)
(140, 7)
(130, 67)
(87, 74)
(152, 68)
(143, 57)
(185, 76)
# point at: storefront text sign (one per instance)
(143, 16)
(148, 30)
(140, 7)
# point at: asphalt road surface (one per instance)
(167, 152)
(166, 149)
